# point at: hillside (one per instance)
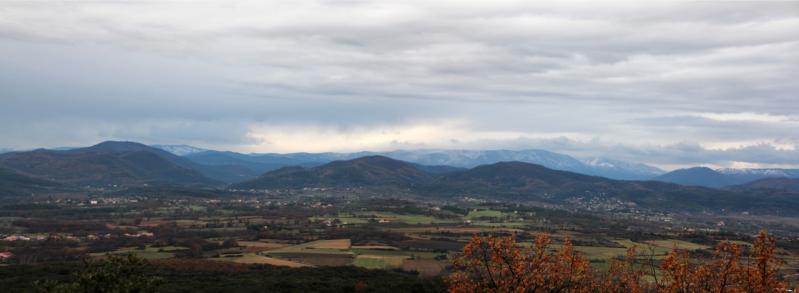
(787, 184)
(372, 171)
(511, 178)
(15, 184)
(107, 164)
(524, 181)
(697, 176)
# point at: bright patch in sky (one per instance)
(748, 116)
(664, 83)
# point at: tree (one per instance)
(728, 271)
(497, 264)
(623, 276)
(118, 274)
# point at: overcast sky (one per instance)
(666, 83)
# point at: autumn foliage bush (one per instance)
(498, 264)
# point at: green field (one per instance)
(484, 213)
(379, 261)
(149, 252)
(337, 246)
(406, 218)
(415, 219)
(679, 244)
(501, 224)
(365, 217)
(344, 218)
(252, 258)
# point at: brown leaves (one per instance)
(622, 275)
(728, 271)
(497, 264)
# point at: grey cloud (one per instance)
(693, 126)
(207, 71)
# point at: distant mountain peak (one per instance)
(771, 172)
(377, 160)
(116, 147)
(364, 171)
(697, 176)
(618, 169)
(699, 169)
(180, 149)
(513, 165)
(704, 176)
(108, 163)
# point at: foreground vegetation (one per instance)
(497, 264)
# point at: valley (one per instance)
(317, 228)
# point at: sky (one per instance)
(671, 84)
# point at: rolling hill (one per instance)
(107, 164)
(787, 184)
(524, 181)
(511, 178)
(15, 184)
(371, 171)
(697, 176)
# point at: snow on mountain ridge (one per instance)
(180, 150)
(771, 172)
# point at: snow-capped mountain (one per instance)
(180, 150)
(760, 172)
(740, 176)
(622, 170)
(473, 158)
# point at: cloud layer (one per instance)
(670, 84)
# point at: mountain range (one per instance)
(518, 181)
(180, 149)
(259, 163)
(129, 163)
(115, 165)
(703, 176)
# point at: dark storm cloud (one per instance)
(643, 76)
